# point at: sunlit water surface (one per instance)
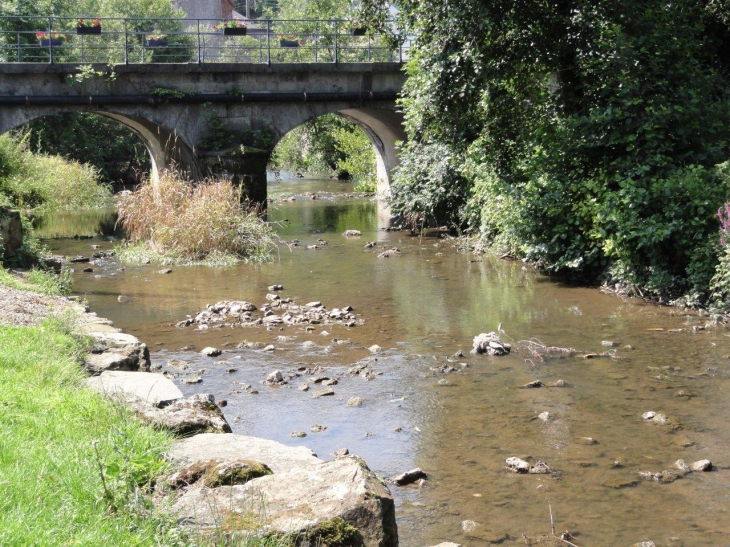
(422, 307)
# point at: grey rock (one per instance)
(408, 477)
(190, 380)
(228, 448)
(275, 377)
(701, 465)
(317, 428)
(375, 348)
(196, 414)
(211, 352)
(489, 344)
(11, 232)
(323, 393)
(354, 401)
(352, 233)
(152, 388)
(298, 501)
(298, 433)
(116, 351)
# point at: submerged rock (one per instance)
(408, 477)
(490, 344)
(518, 465)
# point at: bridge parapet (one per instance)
(140, 41)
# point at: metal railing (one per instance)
(145, 40)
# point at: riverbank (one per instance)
(135, 471)
(76, 467)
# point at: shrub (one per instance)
(49, 182)
(180, 221)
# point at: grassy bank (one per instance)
(41, 181)
(57, 438)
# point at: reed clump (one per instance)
(179, 221)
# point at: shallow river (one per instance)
(422, 307)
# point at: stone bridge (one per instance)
(174, 107)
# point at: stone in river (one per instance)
(374, 348)
(211, 352)
(586, 441)
(701, 465)
(298, 434)
(490, 344)
(276, 288)
(408, 477)
(354, 401)
(270, 347)
(192, 379)
(544, 416)
(517, 465)
(317, 428)
(303, 387)
(275, 377)
(534, 384)
(323, 393)
(352, 233)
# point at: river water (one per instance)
(421, 307)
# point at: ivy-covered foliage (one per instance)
(582, 134)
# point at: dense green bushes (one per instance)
(40, 181)
(582, 135)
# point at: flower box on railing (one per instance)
(289, 43)
(88, 30)
(88, 26)
(51, 38)
(234, 31)
(159, 42)
(52, 42)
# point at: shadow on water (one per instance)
(422, 307)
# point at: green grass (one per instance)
(55, 436)
(41, 281)
(42, 181)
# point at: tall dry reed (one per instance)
(184, 221)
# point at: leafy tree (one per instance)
(599, 123)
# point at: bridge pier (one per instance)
(245, 166)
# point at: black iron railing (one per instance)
(143, 40)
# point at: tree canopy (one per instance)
(581, 134)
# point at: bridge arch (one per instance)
(383, 127)
(165, 146)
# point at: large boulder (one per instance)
(337, 502)
(228, 448)
(158, 401)
(153, 389)
(11, 232)
(116, 351)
